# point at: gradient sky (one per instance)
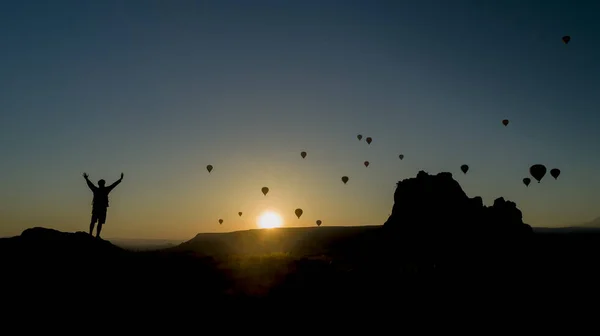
(160, 89)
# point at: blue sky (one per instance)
(160, 89)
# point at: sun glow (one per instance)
(269, 220)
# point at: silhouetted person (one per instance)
(100, 202)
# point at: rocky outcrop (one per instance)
(433, 212)
(78, 270)
(47, 247)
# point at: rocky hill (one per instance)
(48, 265)
(43, 246)
(437, 204)
(433, 218)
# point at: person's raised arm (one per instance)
(110, 187)
(89, 183)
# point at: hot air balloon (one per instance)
(526, 181)
(298, 212)
(366, 163)
(220, 221)
(303, 154)
(345, 179)
(505, 122)
(538, 171)
(401, 156)
(240, 214)
(566, 39)
(265, 190)
(209, 168)
(319, 222)
(359, 137)
(464, 168)
(369, 139)
(555, 172)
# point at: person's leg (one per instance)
(101, 221)
(94, 219)
(98, 230)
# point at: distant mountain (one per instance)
(295, 241)
(591, 224)
(568, 230)
(145, 244)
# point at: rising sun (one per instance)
(269, 220)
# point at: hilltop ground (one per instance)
(407, 265)
(198, 270)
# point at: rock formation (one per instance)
(47, 248)
(433, 214)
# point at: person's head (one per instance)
(101, 183)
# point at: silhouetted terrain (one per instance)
(298, 242)
(438, 246)
(144, 244)
(594, 224)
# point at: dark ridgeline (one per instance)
(437, 246)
